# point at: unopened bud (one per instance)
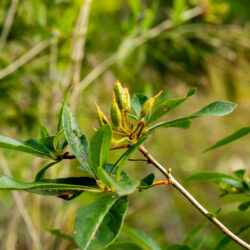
(120, 95)
(116, 116)
(127, 96)
(102, 119)
(148, 105)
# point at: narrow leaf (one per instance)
(235, 136)
(77, 141)
(99, 147)
(98, 225)
(41, 173)
(58, 233)
(56, 140)
(31, 146)
(7, 183)
(214, 176)
(184, 123)
(124, 158)
(167, 106)
(62, 109)
(43, 131)
(48, 142)
(140, 238)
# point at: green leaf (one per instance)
(124, 158)
(60, 184)
(99, 147)
(56, 140)
(58, 233)
(178, 247)
(98, 225)
(48, 142)
(44, 131)
(135, 6)
(147, 181)
(62, 109)
(184, 123)
(78, 142)
(214, 176)
(126, 185)
(41, 173)
(137, 102)
(218, 108)
(124, 245)
(140, 238)
(226, 240)
(244, 205)
(191, 234)
(31, 146)
(235, 136)
(167, 106)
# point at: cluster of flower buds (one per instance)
(120, 108)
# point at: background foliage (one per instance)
(210, 52)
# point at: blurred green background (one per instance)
(45, 46)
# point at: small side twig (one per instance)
(119, 146)
(193, 201)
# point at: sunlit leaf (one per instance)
(44, 131)
(137, 102)
(235, 136)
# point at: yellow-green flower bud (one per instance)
(116, 116)
(102, 119)
(120, 95)
(128, 105)
(148, 105)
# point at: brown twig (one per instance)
(195, 203)
(119, 146)
(138, 160)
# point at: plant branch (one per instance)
(8, 22)
(20, 205)
(136, 42)
(195, 203)
(24, 59)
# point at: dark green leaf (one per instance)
(44, 131)
(147, 181)
(178, 247)
(137, 102)
(98, 225)
(238, 134)
(58, 233)
(215, 177)
(7, 183)
(77, 141)
(140, 238)
(62, 109)
(99, 147)
(48, 142)
(240, 173)
(226, 240)
(124, 186)
(31, 146)
(167, 106)
(244, 205)
(124, 245)
(191, 234)
(41, 173)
